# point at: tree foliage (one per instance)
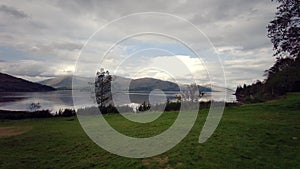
(144, 107)
(284, 29)
(103, 87)
(284, 75)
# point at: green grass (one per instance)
(265, 135)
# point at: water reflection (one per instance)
(63, 99)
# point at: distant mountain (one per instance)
(65, 82)
(122, 83)
(10, 83)
(149, 84)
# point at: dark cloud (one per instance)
(11, 11)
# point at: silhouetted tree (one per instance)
(144, 107)
(280, 65)
(284, 30)
(284, 75)
(67, 112)
(103, 87)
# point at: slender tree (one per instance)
(192, 93)
(103, 87)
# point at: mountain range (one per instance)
(122, 83)
(119, 83)
(10, 83)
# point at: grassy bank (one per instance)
(264, 135)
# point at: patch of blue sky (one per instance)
(10, 54)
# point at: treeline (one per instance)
(146, 107)
(110, 109)
(16, 115)
(282, 77)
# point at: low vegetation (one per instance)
(263, 135)
(16, 115)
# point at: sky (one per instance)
(202, 41)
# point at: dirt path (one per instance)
(13, 131)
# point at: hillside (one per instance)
(121, 83)
(149, 84)
(58, 82)
(65, 82)
(10, 83)
(80, 83)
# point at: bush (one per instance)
(66, 113)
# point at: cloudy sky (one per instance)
(174, 40)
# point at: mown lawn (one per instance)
(265, 135)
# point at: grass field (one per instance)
(265, 135)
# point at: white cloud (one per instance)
(51, 33)
(35, 70)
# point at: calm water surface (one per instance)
(64, 99)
